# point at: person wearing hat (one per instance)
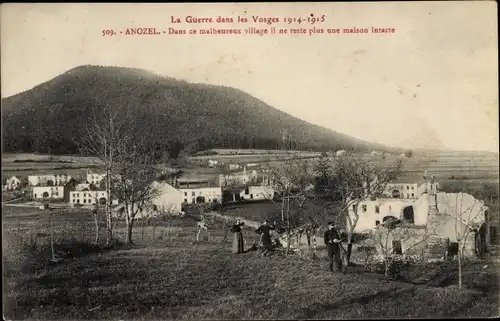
(265, 231)
(332, 240)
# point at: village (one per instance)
(418, 202)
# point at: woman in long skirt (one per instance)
(238, 244)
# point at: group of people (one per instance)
(332, 240)
(264, 231)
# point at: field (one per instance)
(175, 277)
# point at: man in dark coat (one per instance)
(265, 231)
(332, 240)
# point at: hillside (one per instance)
(49, 117)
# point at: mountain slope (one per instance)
(50, 117)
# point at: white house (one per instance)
(89, 197)
(48, 192)
(167, 198)
(436, 216)
(13, 183)
(411, 187)
(41, 180)
(196, 195)
(234, 166)
(257, 193)
(95, 178)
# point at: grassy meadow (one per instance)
(171, 276)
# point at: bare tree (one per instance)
(468, 214)
(134, 184)
(168, 213)
(105, 129)
(354, 180)
(291, 179)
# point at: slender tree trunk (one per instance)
(459, 266)
(154, 229)
(130, 223)
(109, 219)
(349, 245)
(96, 229)
(142, 228)
(52, 236)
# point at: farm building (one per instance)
(201, 194)
(430, 219)
(43, 180)
(411, 187)
(257, 193)
(48, 192)
(86, 197)
(12, 183)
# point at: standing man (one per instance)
(332, 240)
(265, 232)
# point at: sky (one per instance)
(431, 84)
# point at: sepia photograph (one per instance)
(251, 161)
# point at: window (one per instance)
(251, 196)
(396, 247)
(78, 201)
(84, 194)
(247, 191)
(74, 200)
(377, 223)
(84, 200)
(407, 187)
(193, 200)
(185, 194)
(413, 187)
(185, 200)
(390, 208)
(193, 194)
(155, 208)
(364, 208)
(35, 195)
(412, 195)
(377, 209)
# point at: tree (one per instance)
(167, 213)
(409, 153)
(135, 180)
(468, 214)
(291, 179)
(105, 128)
(354, 180)
(117, 138)
(323, 170)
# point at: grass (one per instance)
(183, 279)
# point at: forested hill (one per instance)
(49, 118)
